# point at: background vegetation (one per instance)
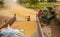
(1, 3)
(32, 3)
(36, 3)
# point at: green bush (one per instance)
(37, 5)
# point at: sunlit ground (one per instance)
(30, 28)
(20, 11)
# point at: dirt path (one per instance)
(20, 11)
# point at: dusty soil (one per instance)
(21, 12)
(30, 28)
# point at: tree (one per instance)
(42, 0)
(51, 0)
(34, 2)
(54, 0)
(1, 3)
(22, 1)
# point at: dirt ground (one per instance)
(30, 28)
(21, 12)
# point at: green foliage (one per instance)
(37, 5)
(23, 1)
(34, 2)
(51, 0)
(1, 3)
(42, 0)
(20, 1)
